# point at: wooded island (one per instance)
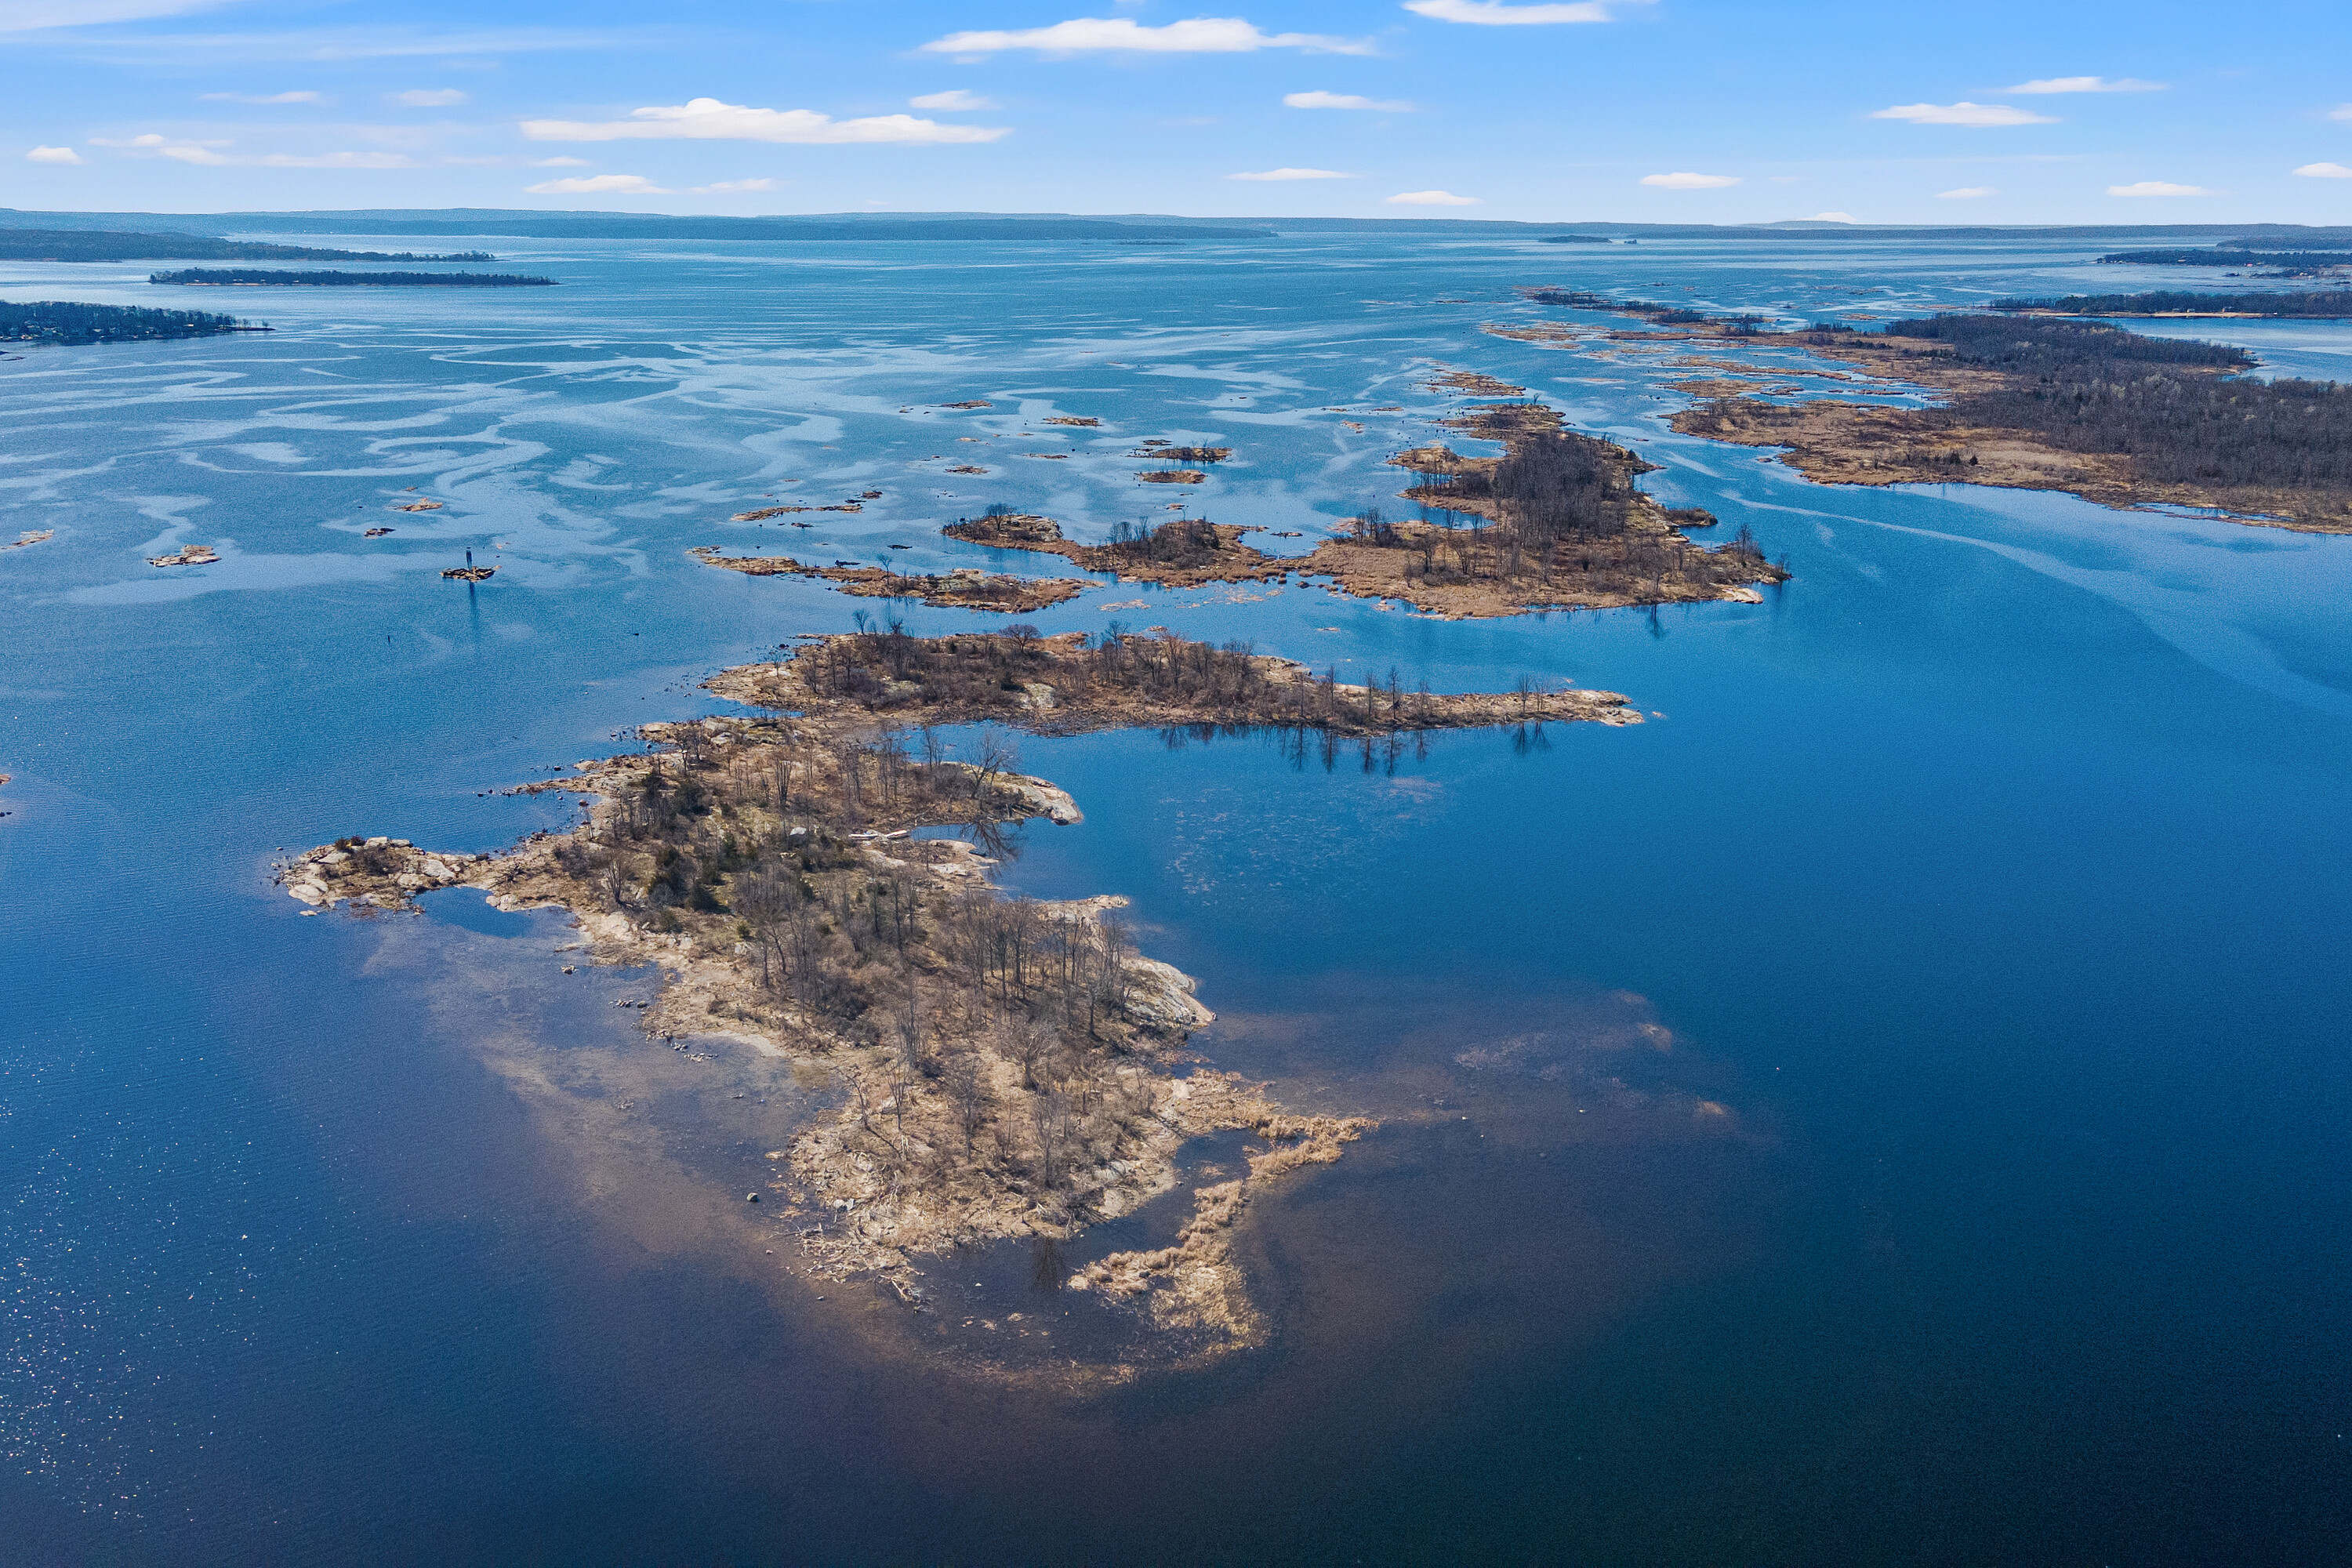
(1007, 1067)
(65, 321)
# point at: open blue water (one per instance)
(1890, 1107)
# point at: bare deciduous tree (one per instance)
(967, 1092)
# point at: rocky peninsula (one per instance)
(2030, 403)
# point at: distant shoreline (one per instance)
(2029, 401)
(245, 277)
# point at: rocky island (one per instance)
(1184, 552)
(967, 588)
(1004, 1068)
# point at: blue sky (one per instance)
(1666, 110)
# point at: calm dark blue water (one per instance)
(1890, 1107)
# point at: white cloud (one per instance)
(427, 97)
(956, 98)
(599, 185)
(208, 155)
(54, 155)
(273, 97)
(2341, 111)
(1962, 113)
(1345, 100)
(1431, 199)
(706, 119)
(2325, 172)
(1496, 14)
(202, 154)
(178, 51)
(1835, 217)
(1295, 175)
(1201, 36)
(559, 163)
(2087, 84)
(1687, 181)
(2158, 188)
(1966, 193)
(730, 187)
(28, 16)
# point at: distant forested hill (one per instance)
(262, 277)
(102, 245)
(2289, 261)
(661, 226)
(2331, 304)
(63, 322)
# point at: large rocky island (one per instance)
(814, 877)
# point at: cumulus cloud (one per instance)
(54, 155)
(1835, 217)
(2087, 84)
(273, 97)
(2158, 188)
(1431, 199)
(955, 99)
(1299, 175)
(1687, 181)
(149, 140)
(2325, 172)
(706, 119)
(1201, 36)
(559, 163)
(1498, 13)
(426, 98)
(1345, 100)
(1966, 193)
(1963, 113)
(731, 187)
(599, 185)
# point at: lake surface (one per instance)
(1890, 1106)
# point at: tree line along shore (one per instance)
(58, 321)
(107, 245)
(263, 278)
(2277, 262)
(2037, 403)
(2319, 304)
(1006, 1067)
